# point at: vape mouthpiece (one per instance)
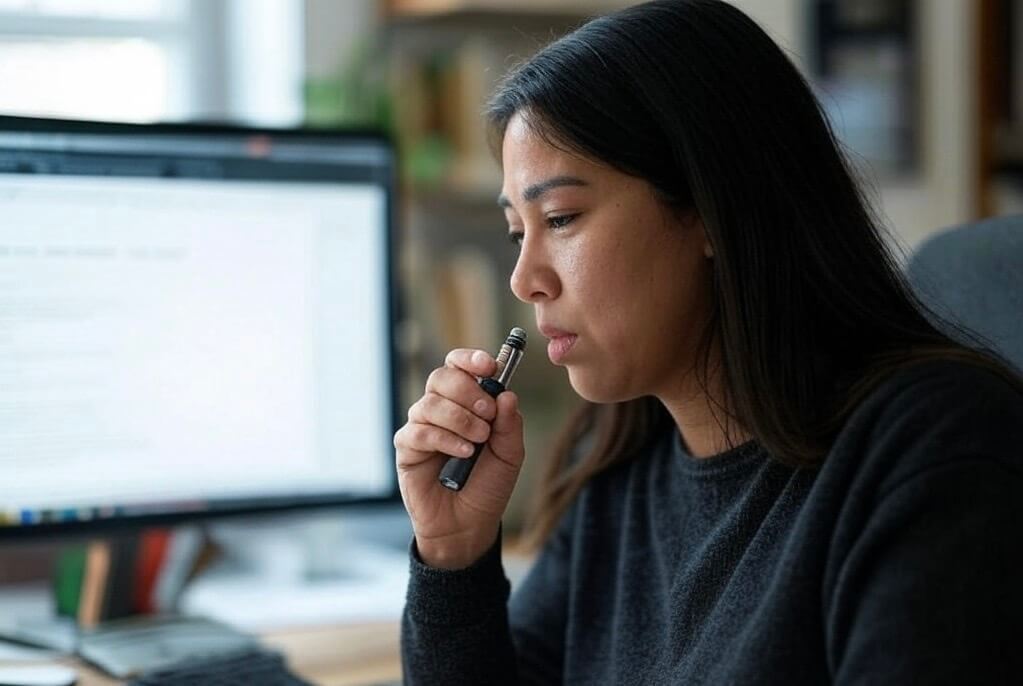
(516, 341)
(517, 338)
(510, 355)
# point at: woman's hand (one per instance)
(454, 528)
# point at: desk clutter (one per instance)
(253, 667)
(128, 647)
(131, 575)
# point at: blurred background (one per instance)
(927, 95)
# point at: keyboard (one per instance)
(138, 645)
(251, 667)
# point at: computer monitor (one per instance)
(194, 321)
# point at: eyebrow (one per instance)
(538, 189)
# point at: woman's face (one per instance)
(619, 283)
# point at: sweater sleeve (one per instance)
(454, 629)
(930, 590)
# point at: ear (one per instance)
(708, 249)
(691, 220)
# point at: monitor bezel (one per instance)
(247, 507)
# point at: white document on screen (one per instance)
(221, 336)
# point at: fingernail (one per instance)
(465, 448)
(480, 406)
(479, 357)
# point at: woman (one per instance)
(784, 473)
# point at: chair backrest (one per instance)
(973, 275)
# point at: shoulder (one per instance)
(944, 382)
(932, 414)
(945, 391)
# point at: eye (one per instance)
(560, 221)
(555, 222)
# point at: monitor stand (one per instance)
(326, 568)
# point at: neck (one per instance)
(700, 416)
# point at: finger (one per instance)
(462, 388)
(416, 443)
(406, 455)
(494, 476)
(478, 362)
(443, 412)
(506, 430)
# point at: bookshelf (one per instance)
(998, 180)
(424, 8)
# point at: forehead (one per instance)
(523, 147)
(528, 159)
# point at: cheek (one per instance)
(616, 293)
(649, 302)
(679, 303)
(605, 278)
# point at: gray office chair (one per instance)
(973, 275)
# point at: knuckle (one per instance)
(434, 378)
(420, 409)
(457, 357)
(428, 407)
(415, 411)
(483, 432)
(418, 434)
(463, 419)
(402, 437)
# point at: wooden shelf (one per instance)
(536, 17)
(1008, 146)
(434, 8)
(999, 129)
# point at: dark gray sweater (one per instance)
(900, 561)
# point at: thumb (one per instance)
(506, 430)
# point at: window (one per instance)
(152, 60)
(94, 59)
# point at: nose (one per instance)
(534, 278)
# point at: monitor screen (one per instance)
(193, 320)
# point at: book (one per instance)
(152, 555)
(69, 570)
(94, 584)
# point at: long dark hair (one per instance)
(811, 309)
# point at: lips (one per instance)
(559, 346)
(561, 342)
(549, 331)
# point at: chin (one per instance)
(593, 388)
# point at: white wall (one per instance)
(264, 57)
(333, 28)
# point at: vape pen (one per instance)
(456, 470)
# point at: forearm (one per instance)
(455, 625)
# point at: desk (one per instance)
(343, 655)
(350, 655)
